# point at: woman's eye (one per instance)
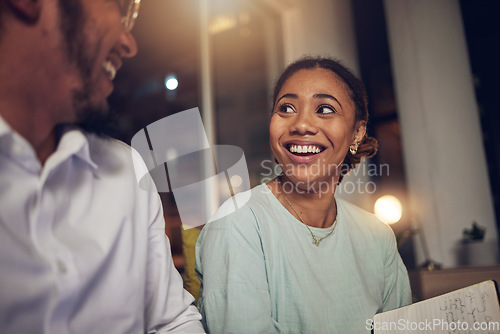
(286, 109)
(326, 110)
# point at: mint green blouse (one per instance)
(261, 273)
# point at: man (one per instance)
(82, 248)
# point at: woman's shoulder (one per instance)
(363, 220)
(239, 211)
(241, 204)
(233, 230)
(371, 235)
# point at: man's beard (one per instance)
(89, 116)
(100, 120)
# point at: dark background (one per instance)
(168, 37)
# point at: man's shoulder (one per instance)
(104, 145)
(105, 150)
(120, 164)
(113, 156)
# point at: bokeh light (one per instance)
(171, 82)
(388, 209)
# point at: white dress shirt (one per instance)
(82, 247)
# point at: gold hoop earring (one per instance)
(353, 148)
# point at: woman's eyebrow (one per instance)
(290, 95)
(316, 96)
(327, 96)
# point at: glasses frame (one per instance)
(132, 12)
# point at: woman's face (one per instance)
(312, 127)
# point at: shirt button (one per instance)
(62, 267)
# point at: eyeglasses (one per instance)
(130, 13)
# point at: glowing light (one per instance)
(171, 82)
(388, 209)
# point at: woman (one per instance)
(294, 259)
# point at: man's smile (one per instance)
(108, 66)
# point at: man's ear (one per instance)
(28, 10)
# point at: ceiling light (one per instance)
(171, 82)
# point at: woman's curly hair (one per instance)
(368, 145)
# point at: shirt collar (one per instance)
(4, 128)
(75, 142)
(17, 148)
(72, 142)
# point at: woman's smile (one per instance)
(303, 152)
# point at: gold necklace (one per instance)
(316, 240)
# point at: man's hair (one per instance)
(368, 145)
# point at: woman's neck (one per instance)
(313, 207)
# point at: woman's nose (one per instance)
(303, 123)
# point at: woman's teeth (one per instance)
(109, 68)
(312, 149)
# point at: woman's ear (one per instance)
(27, 9)
(359, 132)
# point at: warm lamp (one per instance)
(388, 209)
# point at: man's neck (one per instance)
(33, 69)
(46, 147)
(39, 133)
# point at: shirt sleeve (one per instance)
(169, 308)
(231, 266)
(397, 291)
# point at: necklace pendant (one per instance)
(316, 241)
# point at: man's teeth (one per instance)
(110, 68)
(305, 149)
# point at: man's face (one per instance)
(95, 42)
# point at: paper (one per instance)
(473, 309)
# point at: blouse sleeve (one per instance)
(230, 264)
(397, 291)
